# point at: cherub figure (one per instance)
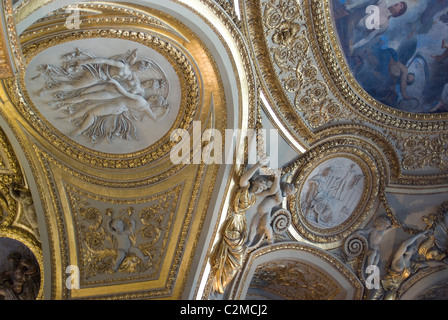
(375, 234)
(122, 232)
(261, 224)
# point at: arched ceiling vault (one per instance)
(106, 108)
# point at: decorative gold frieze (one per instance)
(422, 151)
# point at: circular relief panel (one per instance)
(333, 197)
(112, 95)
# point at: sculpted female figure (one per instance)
(81, 72)
(124, 106)
(401, 266)
(261, 223)
(104, 96)
(228, 256)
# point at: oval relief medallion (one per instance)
(333, 197)
(331, 193)
(111, 95)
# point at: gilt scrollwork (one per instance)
(123, 239)
(354, 246)
(419, 151)
(289, 46)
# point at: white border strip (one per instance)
(289, 137)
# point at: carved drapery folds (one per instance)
(265, 195)
(11, 59)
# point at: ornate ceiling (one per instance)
(117, 183)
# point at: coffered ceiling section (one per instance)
(97, 106)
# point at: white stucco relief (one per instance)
(112, 95)
(332, 192)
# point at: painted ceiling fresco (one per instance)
(397, 51)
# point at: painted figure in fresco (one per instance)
(227, 258)
(19, 282)
(385, 76)
(444, 55)
(443, 103)
(363, 35)
(122, 232)
(412, 75)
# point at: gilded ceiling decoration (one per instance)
(114, 114)
(115, 205)
(20, 246)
